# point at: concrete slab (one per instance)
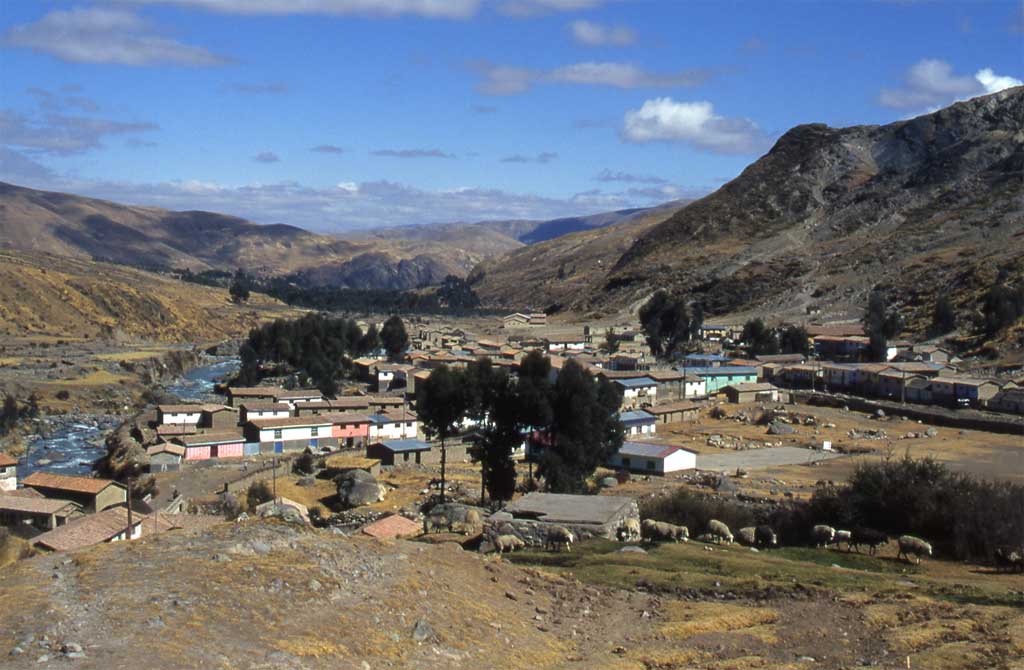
(753, 459)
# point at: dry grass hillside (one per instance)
(50, 297)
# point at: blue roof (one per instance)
(725, 370)
(636, 416)
(406, 445)
(707, 357)
(635, 382)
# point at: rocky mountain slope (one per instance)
(45, 297)
(930, 205)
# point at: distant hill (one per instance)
(928, 206)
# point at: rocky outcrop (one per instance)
(359, 487)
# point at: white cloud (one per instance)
(443, 9)
(931, 83)
(693, 123)
(543, 157)
(109, 36)
(607, 175)
(534, 7)
(508, 80)
(412, 153)
(60, 134)
(327, 149)
(266, 157)
(595, 34)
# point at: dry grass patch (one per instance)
(688, 619)
(672, 659)
(311, 646)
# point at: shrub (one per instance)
(63, 394)
(230, 506)
(694, 510)
(305, 464)
(258, 493)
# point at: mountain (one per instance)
(921, 207)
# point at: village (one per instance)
(711, 415)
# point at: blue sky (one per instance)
(344, 114)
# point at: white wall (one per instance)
(181, 417)
(294, 433)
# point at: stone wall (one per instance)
(534, 533)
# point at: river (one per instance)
(69, 445)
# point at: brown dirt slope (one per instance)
(42, 296)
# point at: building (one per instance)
(705, 360)
(751, 392)
(36, 512)
(392, 426)
(960, 391)
(675, 412)
(296, 433)
(92, 494)
(397, 452)
(107, 526)
(674, 385)
(655, 459)
(218, 417)
(203, 446)
(520, 320)
(584, 516)
(262, 409)
(1009, 399)
(720, 377)
(566, 343)
(637, 391)
(8, 473)
(165, 457)
(350, 429)
(179, 414)
(298, 396)
(638, 423)
(240, 394)
(355, 403)
(716, 332)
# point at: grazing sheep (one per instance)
(747, 536)
(707, 538)
(868, 537)
(471, 524)
(629, 531)
(659, 531)
(435, 523)
(913, 545)
(765, 537)
(682, 533)
(558, 537)
(720, 530)
(1009, 560)
(823, 535)
(508, 543)
(842, 536)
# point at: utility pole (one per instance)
(274, 477)
(128, 536)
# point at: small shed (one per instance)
(675, 412)
(165, 457)
(751, 392)
(651, 458)
(638, 422)
(394, 452)
(585, 516)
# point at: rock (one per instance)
(17, 651)
(422, 631)
(71, 648)
(609, 482)
(359, 487)
(314, 585)
(931, 432)
(879, 413)
(308, 480)
(777, 428)
(260, 547)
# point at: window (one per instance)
(277, 433)
(314, 431)
(625, 461)
(650, 465)
(314, 443)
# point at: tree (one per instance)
(533, 390)
(394, 338)
(666, 323)
(258, 493)
(8, 415)
(440, 407)
(1002, 306)
(794, 340)
(370, 341)
(696, 321)
(611, 341)
(239, 287)
(482, 382)
(759, 338)
(502, 434)
(584, 431)
(943, 317)
(880, 324)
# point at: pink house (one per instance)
(203, 446)
(351, 430)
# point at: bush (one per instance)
(63, 394)
(230, 506)
(693, 510)
(258, 493)
(305, 464)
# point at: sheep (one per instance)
(471, 524)
(869, 537)
(629, 531)
(508, 543)
(1010, 560)
(659, 531)
(913, 545)
(747, 536)
(558, 537)
(436, 523)
(823, 535)
(765, 537)
(720, 530)
(682, 534)
(706, 538)
(842, 536)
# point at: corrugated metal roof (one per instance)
(646, 450)
(636, 416)
(410, 444)
(635, 382)
(34, 505)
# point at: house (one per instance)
(675, 412)
(957, 391)
(396, 452)
(1008, 399)
(892, 383)
(262, 409)
(834, 329)
(637, 391)
(240, 394)
(720, 377)
(355, 403)
(350, 429)
(8, 472)
(638, 422)
(582, 515)
(165, 457)
(392, 425)
(717, 332)
(651, 458)
(179, 414)
(705, 360)
(218, 417)
(94, 495)
(520, 320)
(298, 396)
(842, 348)
(929, 353)
(203, 446)
(674, 385)
(785, 359)
(296, 433)
(36, 512)
(392, 376)
(386, 403)
(173, 430)
(751, 392)
(799, 375)
(919, 389)
(566, 343)
(110, 525)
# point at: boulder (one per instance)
(609, 482)
(359, 487)
(777, 428)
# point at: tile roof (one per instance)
(49, 480)
(6, 460)
(175, 429)
(299, 393)
(34, 505)
(392, 526)
(265, 406)
(166, 447)
(194, 408)
(748, 387)
(254, 391)
(88, 530)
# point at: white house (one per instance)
(571, 343)
(637, 391)
(652, 458)
(297, 396)
(264, 410)
(638, 423)
(292, 434)
(8, 473)
(178, 414)
(393, 426)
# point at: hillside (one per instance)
(561, 270)
(48, 297)
(928, 205)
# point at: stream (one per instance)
(69, 444)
